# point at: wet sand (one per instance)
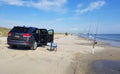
(107, 67)
(74, 56)
(105, 60)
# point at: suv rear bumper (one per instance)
(19, 43)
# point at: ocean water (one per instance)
(112, 39)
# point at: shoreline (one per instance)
(113, 43)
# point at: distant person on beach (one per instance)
(94, 43)
(66, 33)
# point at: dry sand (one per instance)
(74, 56)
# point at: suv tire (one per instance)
(34, 45)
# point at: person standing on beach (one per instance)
(94, 43)
(66, 33)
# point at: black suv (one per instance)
(29, 36)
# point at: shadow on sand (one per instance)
(23, 47)
(19, 48)
(84, 44)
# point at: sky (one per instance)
(74, 16)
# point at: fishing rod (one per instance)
(95, 35)
(96, 31)
(89, 30)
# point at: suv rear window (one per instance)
(20, 30)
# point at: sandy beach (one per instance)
(74, 56)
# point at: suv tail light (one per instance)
(26, 35)
(10, 33)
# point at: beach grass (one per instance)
(4, 31)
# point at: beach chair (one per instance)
(53, 46)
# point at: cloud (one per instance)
(46, 5)
(92, 6)
(12, 2)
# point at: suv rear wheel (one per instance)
(34, 46)
(13, 46)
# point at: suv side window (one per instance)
(43, 31)
(37, 32)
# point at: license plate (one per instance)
(17, 36)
